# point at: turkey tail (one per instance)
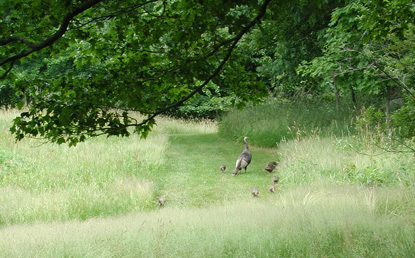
(238, 167)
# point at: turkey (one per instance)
(254, 191)
(271, 166)
(244, 159)
(275, 179)
(272, 188)
(162, 200)
(223, 167)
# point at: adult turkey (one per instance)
(244, 159)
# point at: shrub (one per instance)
(403, 120)
(373, 129)
(6, 96)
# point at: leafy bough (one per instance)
(74, 107)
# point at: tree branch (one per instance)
(219, 68)
(49, 41)
(122, 11)
(16, 38)
(8, 71)
(375, 64)
(396, 80)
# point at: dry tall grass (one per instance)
(319, 220)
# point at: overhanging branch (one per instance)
(7, 71)
(376, 65)
(4, 42)
(49, 41)
(122, 11)
(219, 68)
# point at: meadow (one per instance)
(98, 199)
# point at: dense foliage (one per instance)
(370, 51)
(83, 65)
(146, 56)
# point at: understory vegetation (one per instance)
(338, 195)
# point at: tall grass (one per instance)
(101, 177)
(272, 122)
(329, 158)
(98, 199)
(314, 221)
(170, 126)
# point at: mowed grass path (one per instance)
(191, 174)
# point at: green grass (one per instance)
(330, 158)
(191, 175)
(312, 221)
(98, 178)
(99, 198)
(270, 123)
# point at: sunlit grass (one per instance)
(313, 221)
(103, 176)
(191, 175)
(180, 126)
(314, 158)
(98, 199)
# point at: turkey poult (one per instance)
(272, 188)
(223, 167)
(162, 200)
(254, 191)
(271, 166)
(244, 159)
(275, 179)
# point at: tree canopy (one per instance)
(118, 56)
(84, 65)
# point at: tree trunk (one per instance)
(336, 93)
(353, 96)
(388, 100)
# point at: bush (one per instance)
(403, 120)
(373, 129)
(6, 96)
